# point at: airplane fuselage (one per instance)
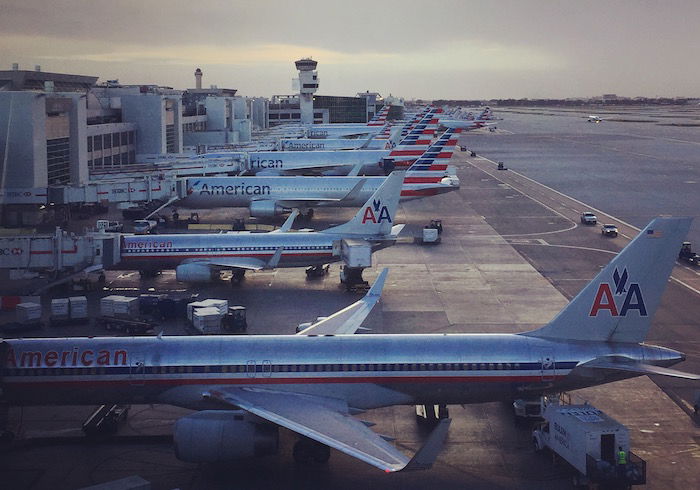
(366, 371)
(158, 252)
(214, 192)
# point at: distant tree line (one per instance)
(564, 102)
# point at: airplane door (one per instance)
(250, 369)
(266, 369)
(547, 365)
(137, 372)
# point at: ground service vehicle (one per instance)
(109, 226)
(589, 440)
(588, 218)
(609, 230)
(687, 255)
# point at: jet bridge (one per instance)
(59, 252)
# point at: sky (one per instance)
(437, 49)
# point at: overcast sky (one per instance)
(414, 49)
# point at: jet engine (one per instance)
(266, 209)
(194, 273)
(212, 436)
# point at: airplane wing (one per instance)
(349, 319)
(329, 422)
(287, 225)
(615, 363)
(301, 201)
(247, 263)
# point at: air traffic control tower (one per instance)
(308, 85)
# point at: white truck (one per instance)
(590, 441)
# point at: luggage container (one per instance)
(28, 312)
(107, 305)
(221, 306)
(78, 307)
(207, 320)
(60, 308)
(126, 307)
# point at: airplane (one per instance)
(274, 195)
(315, 382)
(202, 257)
(269, 196)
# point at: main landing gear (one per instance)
(307, 450)
(237, 276)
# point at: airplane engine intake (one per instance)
(212, 436)
(193, 273)
(266, 209)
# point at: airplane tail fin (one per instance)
(619, 303)
(378, 214)
(379, 118)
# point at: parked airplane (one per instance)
(274, 195)
(312, 383)
(201, 257)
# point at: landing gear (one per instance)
(237, 276)
(307, 451)
(317, 271)
(148, 273)
(430, 415)
(308, 214)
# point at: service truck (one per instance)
(591, 442)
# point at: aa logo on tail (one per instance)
(621, 300)
(376, 213)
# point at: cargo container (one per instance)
(28, 312)
(78, 307)
(206, 320)
(356, 253)
(221, 306)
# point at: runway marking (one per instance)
(591, 249)
(598, 211)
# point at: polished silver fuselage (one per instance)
(214, 192)
(366, 371)
(158, 252)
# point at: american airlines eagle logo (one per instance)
(620, 297)
(190, 190)
(376, 213)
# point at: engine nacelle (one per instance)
(194, 273)
(266, 209)
(212, 436)
(451, 180)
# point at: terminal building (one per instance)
(57, 129)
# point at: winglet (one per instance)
(275, 259)
(348, 320)
(352, 194)
(287, 225)
(376, 289)
(426, 455)
(355, 170)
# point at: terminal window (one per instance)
(107, 140)
(97, 143)
(58, 160)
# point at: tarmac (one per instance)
(512, 254)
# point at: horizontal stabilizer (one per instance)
(627, 364)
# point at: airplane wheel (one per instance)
(321, 453)
(310, 214)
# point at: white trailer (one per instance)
(589, 440)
